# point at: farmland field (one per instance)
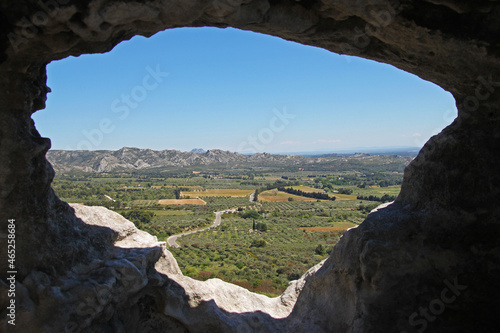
(264, 244)
(196, 201)
(377, 190)
(217, 192)
(171, 212)
(277, 196)
(262, 261)
(190, 187)
(339, 196)
(337, 226)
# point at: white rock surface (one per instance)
(197, 303)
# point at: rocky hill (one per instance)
(133, 159)
(127, 159)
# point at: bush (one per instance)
(138, 216)
(345, 191)
(191, 272)
(258, 243)
(250, 214)
(261, 226)
(204, 275)
(320, 249)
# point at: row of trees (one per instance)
(345, 190)
(384, 198)
(315, 195)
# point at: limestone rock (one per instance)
(139, 267)
(428, 262)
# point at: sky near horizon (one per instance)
(235, 90)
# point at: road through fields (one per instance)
(171, 241)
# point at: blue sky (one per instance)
(235, 90)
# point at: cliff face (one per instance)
(428, 262)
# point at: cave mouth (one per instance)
(134, 93)
(401, 260)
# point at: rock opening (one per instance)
(428, 261)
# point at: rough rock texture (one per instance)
(428, 262)
(138, 287)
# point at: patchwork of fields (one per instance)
(262, 246)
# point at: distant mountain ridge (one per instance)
(127, 159)
(134, 159)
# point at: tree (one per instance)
(320, 249)
(258, 243)
(138, 216)
(260, 226)
(250, 214)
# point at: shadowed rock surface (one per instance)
(428, 262)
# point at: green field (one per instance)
(290, 235)
(162, 213)
(260, 261)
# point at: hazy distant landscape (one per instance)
(150, 161)
(289, 210)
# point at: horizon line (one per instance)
(382, 149)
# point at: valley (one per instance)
(278, 221)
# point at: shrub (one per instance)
(261, 227)
(320, 249)
(204, 275)
(250, 214)
(138, 216)
(258, 243)
(191, 272)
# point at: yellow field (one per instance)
(196, 201)
(277, 196)
(218, 192)
(338, 226)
